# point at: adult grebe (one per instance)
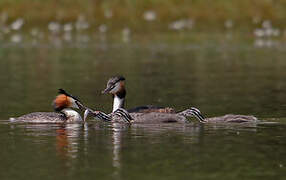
(153, 114)
(116, 87)
(148, 113)
(62, 104)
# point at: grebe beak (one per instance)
(107, 90)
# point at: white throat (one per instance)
(72, 115)
(117, 103)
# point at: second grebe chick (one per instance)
(62, 104)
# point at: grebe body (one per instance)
(62, 104)
(148, 113)
(153, 114)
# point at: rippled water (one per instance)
(217, 77)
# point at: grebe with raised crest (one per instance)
(64, 114)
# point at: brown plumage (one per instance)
(61, 101)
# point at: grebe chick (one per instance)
(120, 115)
(62, 104)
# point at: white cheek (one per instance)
(73, 104)
(115, 89)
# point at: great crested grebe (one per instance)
(62, 104)
(146, 114)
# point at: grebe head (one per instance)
(65, 100)
(115, 86)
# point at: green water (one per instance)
(218, 77)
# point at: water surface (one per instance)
(218, 77)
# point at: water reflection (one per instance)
(16, 38)
(81, 23)
(67, 136)
(228, 24)
(164, 134)
(149, 15)
(54, 27)
(108, 13)
(67, 139)
(117, 130)
(80, 31)
(17, 24)
(265, 36)
(181, 24)
(126, 35)
(118, 151)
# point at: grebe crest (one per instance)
(65, 100)
(115, 85)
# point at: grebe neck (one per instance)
(117, 103)
(71, 115)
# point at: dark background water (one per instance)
(217, 77)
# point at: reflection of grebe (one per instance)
(67, 137)
(153, 114)
(62, 104)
